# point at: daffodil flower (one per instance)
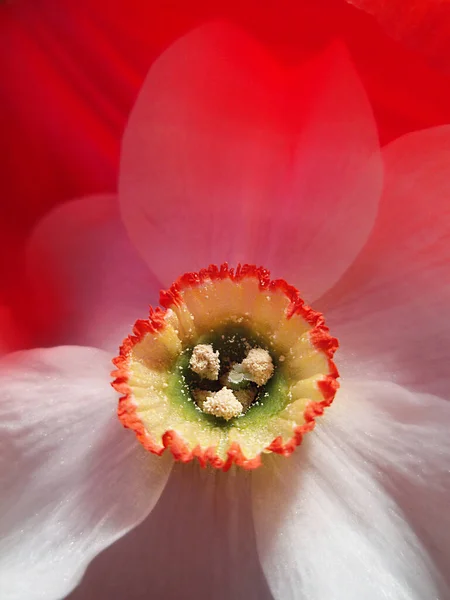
(229, 162)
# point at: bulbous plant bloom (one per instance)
(230, 157)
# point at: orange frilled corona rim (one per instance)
(228, 316)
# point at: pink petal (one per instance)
(391, 311)
(202, 545)
(360, 509)
(72, 479)
(83, 267)
(229, 156)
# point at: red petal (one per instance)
(423, 25)
(229, 157)
(83, 267)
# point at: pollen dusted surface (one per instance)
(222, 404)
(205, 362)
(258, 364)
(174, 370)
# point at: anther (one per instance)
(223, 404)
(256, 367)
(205, 362)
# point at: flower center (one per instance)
(226, 382)
(234, 366)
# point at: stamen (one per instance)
(256, 367)
(223, 404)
(205, 358)
(205, 362)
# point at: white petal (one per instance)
(203, 545)
(72, 479)
(391, 310)
(357, 511)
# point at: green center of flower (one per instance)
(226, 373)
(235, 366)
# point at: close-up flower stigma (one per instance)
(233, 366)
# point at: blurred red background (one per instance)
(72, 69)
